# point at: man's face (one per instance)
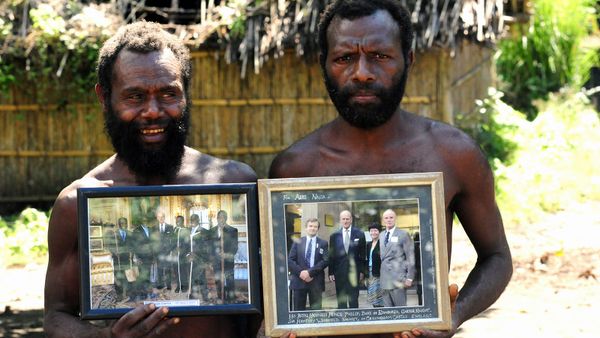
(122, 224)
(221, 219)
(312, 228)
(195, 220)
(160, 217)
(345, 219)
(179, 221)
(365, 69)
(389, 219)
(147, 116)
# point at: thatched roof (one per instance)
(271, 27)
(251, 31)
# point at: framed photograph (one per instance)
(173, 246)
(382, 267)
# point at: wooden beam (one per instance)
(301, 101)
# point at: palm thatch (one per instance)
(251, 31)
(271, 27)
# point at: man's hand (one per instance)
(424, 333)
(331, 278)
(143, 321)
(408, 283)
(305, 276)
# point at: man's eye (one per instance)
(135, 97)
(381, 56)
(344, 58)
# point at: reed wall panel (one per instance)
(46, 145)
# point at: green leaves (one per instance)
(548, 55)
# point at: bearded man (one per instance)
(143, 85)
(366, 54)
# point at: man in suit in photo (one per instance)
(347, 261)
(117, 242)
(397, 262)
(182, 248)
(164, 255)
(199, 258)
(224, 246)
(144, 257)
(307, 261)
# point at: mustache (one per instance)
(361, 87)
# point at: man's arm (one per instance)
(293, 266)
(478, 213)
(61, 293)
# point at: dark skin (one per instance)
(145, 87)
(368, 49)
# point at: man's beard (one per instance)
(367, 116)
(146, 163)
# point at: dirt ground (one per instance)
(554, 292)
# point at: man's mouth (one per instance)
(153, 135)
(152, 131)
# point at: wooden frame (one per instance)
(132, 264)
(422, 194)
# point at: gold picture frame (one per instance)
(417, 199)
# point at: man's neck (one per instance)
(359, 138)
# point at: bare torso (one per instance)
(62, 279)
(409, 144)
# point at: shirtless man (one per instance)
(365, 57)
(144, 76)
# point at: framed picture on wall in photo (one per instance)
(174, 246)
(380, 263)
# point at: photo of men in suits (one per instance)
(347, 261)
(397, 261)
(165, 258)
(307, 261)
(224, 246)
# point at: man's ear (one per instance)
(411, 59)
(100, 95)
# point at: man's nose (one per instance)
(153, 109)
(362, 70)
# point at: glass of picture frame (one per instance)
(175, 246)
(287, 206)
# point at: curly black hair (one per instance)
(354, 9)
(141, 37)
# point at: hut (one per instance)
(256, 89)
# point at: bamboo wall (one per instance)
(45, 146)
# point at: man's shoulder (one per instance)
(296, 160)
(204, 168)
(445, 136)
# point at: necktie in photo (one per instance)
(387, 237)
(308, 253)
(346, 240)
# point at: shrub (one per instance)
(549, 55)
(555, 162)
(24, 238)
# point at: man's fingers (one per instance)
(163, 325)
(453, 290)
(134, 316)
(147, 325)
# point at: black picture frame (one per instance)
(108, 288)
(286, 203)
